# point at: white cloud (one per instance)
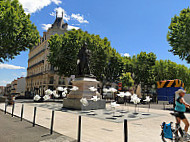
(125, 54)
(59, 13)
(7, 66)
(75, 24)
(57, 1)
(72, 27)
(31, 6)
(46, 26)
(66, 17)
(79, 18)
(52, 14)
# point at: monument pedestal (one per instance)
(77, 105)
(73, 98)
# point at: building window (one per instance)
(52, 68)
(51, 80)
(61, 81)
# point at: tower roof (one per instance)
(59, 22)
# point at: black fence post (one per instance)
(164, 106)
(149, 105)
(5, 107)
(13, 107)
(79, 129)
(34, 119)
(125, 99)
(21, 113)
(125, 131)
(52, 120)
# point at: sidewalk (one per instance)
(13, 130)
(97, 130)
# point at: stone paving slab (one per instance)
(14, 130)
(108, 114)
(59, 139)
(98, 130)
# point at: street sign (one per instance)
(120, 86)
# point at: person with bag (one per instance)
(180, 109)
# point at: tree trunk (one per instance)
(101, 89)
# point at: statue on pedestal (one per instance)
(83, 62)
(81, 99)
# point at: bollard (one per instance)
(5, 107)
(149, 105)
(164, 106)
(34, 119)
(79, 129)
(135, 108)
(125, 100)
(52, 120)
(125, 131)
(13, 107)
(21, 113)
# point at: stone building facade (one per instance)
(40, 73)
(21, 85)
(2, 89)
(7, 89)
(14, 87)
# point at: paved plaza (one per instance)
(108, 114)
(13, 130)
(94, 129)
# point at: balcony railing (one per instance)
(36, 54)
(42, 61)
(34, 75)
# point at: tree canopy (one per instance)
(105, 62)
(168, 70)
(141, 69)
(146, 70)
(17, 33)
(126, 80)
(179, 35)
(108, 65)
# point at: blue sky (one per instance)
(132, 26)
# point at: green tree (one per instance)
(165, 70)
(143, 70)
(160, 70)
(126, 80)
(105, 62)
(17, 33)
(168, 70)
(113, 69)
(128, 64)
(179, 35)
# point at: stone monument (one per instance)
(84, 80)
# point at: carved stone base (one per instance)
(77, 105)
(84, 83)
(73, 99)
